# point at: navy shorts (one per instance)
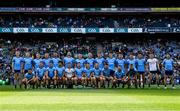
(141, 72)
(170, 73)
(17, 71)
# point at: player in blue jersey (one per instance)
(37, 61)
(28, 62)
(106, 76)
(168, 65)
(40, 74)
(120, 61)
(46, 60)
(80, 60)
(132, 61)
(97, 72)
(88, 72)
(90, 60)
(60, 72)
(131, 76)
(69, 59)
(51, 75)
(29, 79)
(140, 64)
(119, 77)
(78, 72)
(17, 68)
(55, 59)
(111, 61)
(100, 60)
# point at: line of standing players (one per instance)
(90, 72)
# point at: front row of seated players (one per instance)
(63, 77)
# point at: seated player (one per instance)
(78, 72)
(40, 74)
(107, 75)
(29, 78)
(97, 72)
(69, 75)
(132, 76)
(119, 78)
(60, 72)
(84, 79)
(51, 75)
(88, 71)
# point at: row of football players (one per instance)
(91, 71)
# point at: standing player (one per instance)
(17, 69)
(132, 76)
(55, 59)
(141, 62)
(153, 67)
(90, 60)
(69, 60)
(60, 72)
(120, 62)
(80, 60)
(40, 74)
(111, 61)
(51, 75)
(100, 60)
(37, 61)
(168, 66)
(28, 63)
(46, 60)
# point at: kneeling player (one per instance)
(51, 75)
(29, 78)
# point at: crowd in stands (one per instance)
(88, 21)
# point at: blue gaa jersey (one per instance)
(106, 72)
(81, 61)
(131, 61)
(60, 71)
(97, 72)
(140, 63)
(100, 61)
(28, 63)
(91, 62)
(36, 63)
(79, 72)
(121, 63)
(56, 61)
(119, 74)
(46, 62)
(16, 61)
(111, 62)
(51, 71)
(168, 64)
(29, 76)
(87, 71)
(68, 60)
(40, 72)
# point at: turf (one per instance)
(89, 99)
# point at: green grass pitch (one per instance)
(89, 99)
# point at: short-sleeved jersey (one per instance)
(28, 63)
(17, 61)
(152, 63)
(78, 72)
(46, 62)
(140, 63)
(97, 71)
(90, 61)
(68, 60)
(133, 62)
(111, 62)
(29, 76)
(37, 62)
(55, 61)
(40, 71)
(81, 61)
(100, 61)
(168, 64)
(51, 71)
(69, 72)
(121, 63)
(60, 71)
